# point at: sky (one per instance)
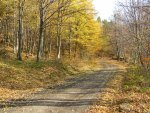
(104, 8)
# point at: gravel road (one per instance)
(75, 96)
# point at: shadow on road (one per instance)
(49, 102)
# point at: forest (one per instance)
(44, 42)
(50, 28)
(55, 29)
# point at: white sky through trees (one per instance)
(104, 8)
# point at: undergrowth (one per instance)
(137, 79)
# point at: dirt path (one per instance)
(75, 96)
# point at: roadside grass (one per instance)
(128, 92)
(137, 80)
(136, 91)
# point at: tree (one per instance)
(131, 31)
(20, 31)
(50, 28)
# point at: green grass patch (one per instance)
(137, 79)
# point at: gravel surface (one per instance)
(75, 96)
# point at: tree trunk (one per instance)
(40, 44)
(20, 32)
(59, 21)
(70, 42)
